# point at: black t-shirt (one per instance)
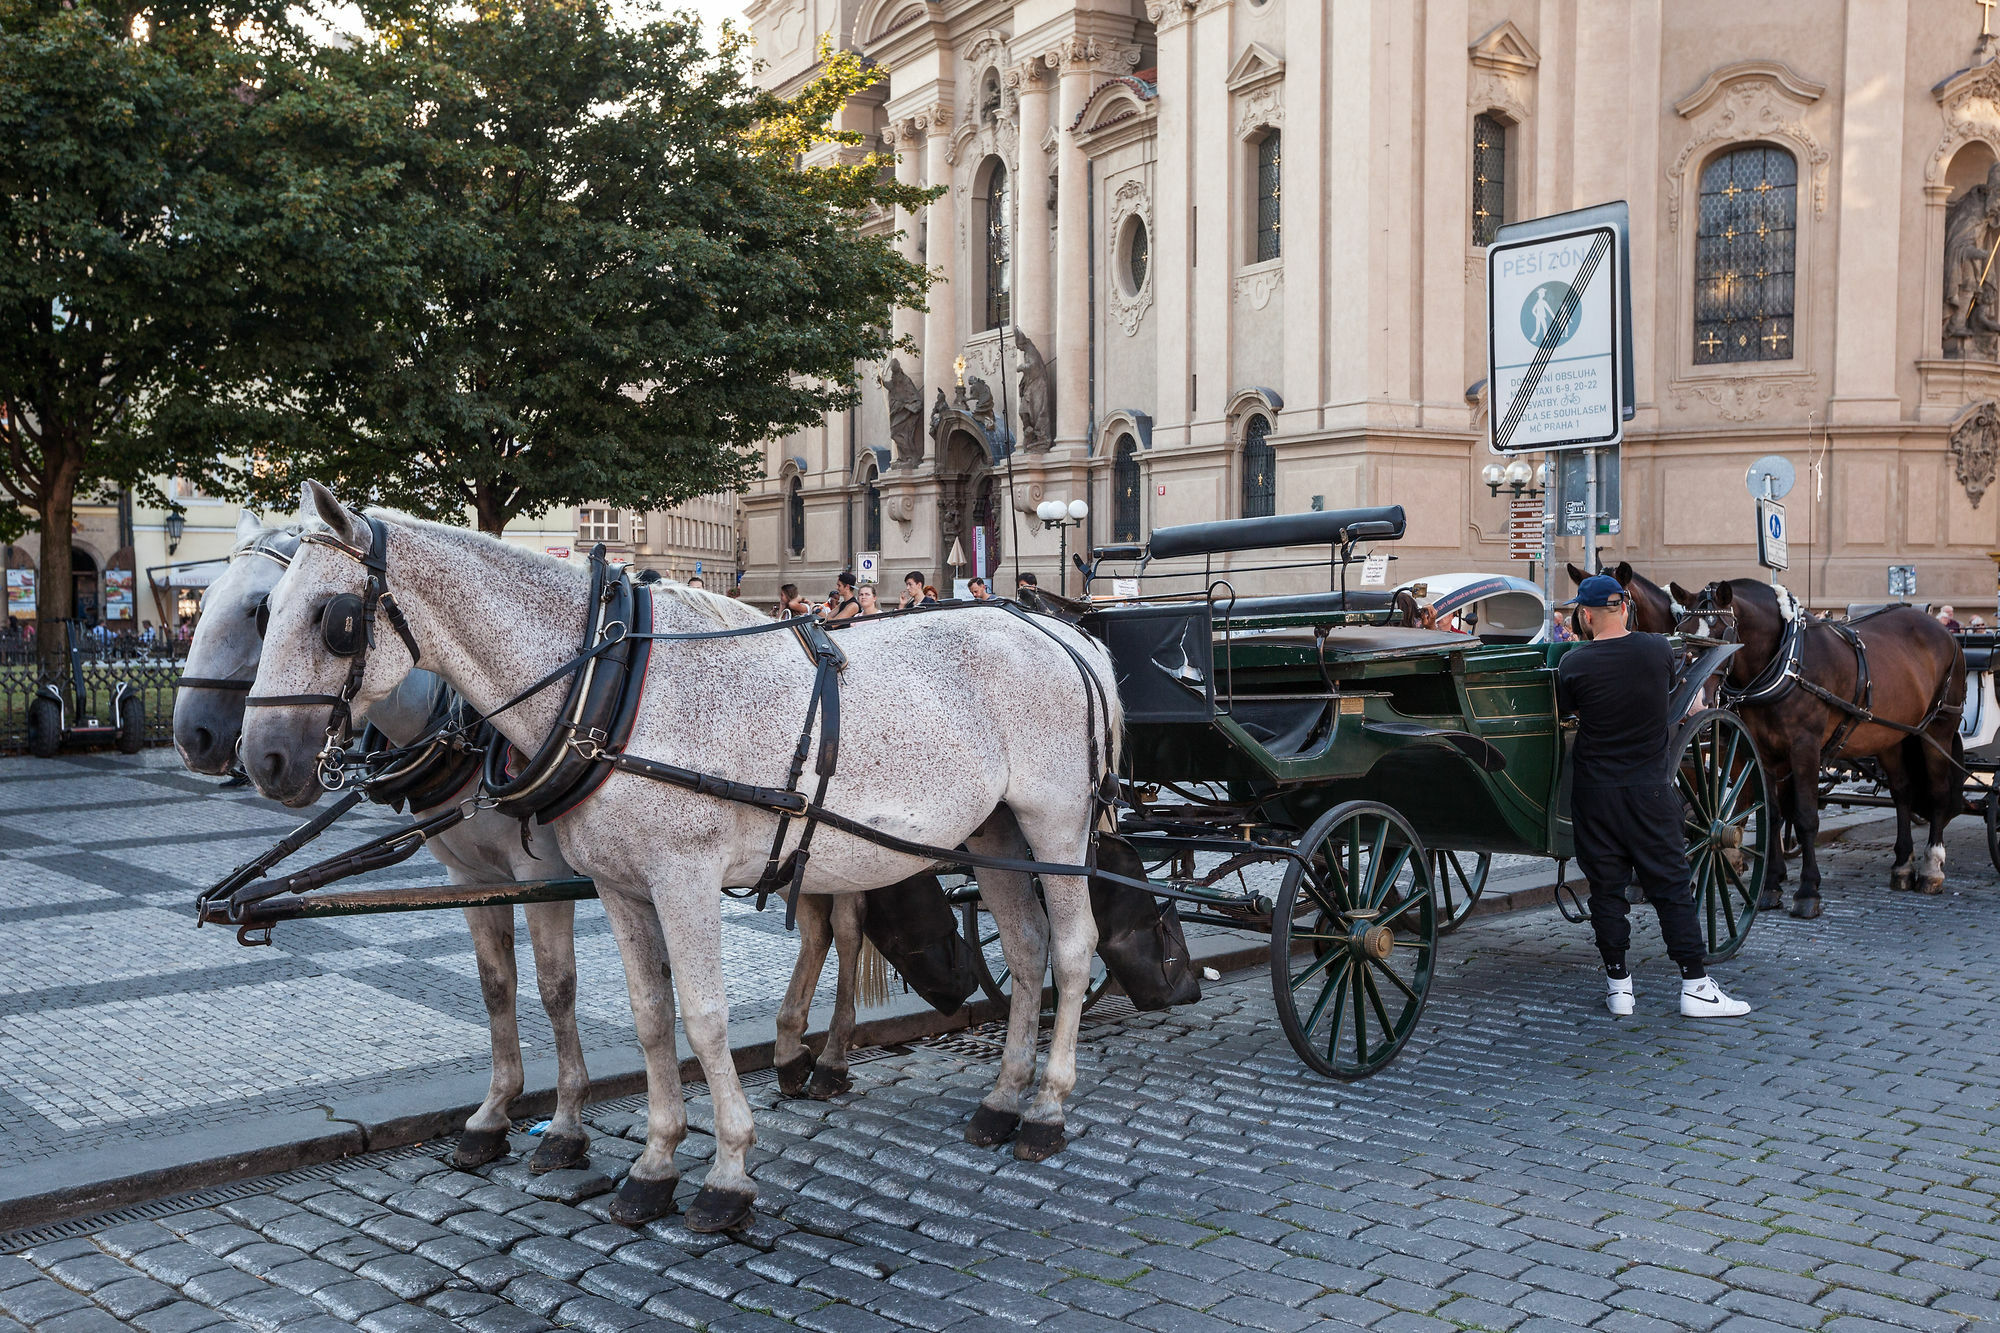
(1618, 690)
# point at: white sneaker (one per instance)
(1618, 996)
(1704, 999)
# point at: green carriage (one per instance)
(1320, 766)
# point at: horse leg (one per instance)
(789, 1055)
(689, 904)
(1804, 782)
(1010, 899)
(1773, 896)
(552, 932)
(648, 1190)
(1903, 874)
(485, 1136)
(830, 1078)
(1947, 797)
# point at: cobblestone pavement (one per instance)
(103, 976)
(1530, 1163)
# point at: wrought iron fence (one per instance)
(154, 678)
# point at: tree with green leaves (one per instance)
(191, 210)
(628, 279)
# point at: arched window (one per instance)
(1260, 469)
(795, 515)
(999, 248)
(1745, 245)
(871, 515)
(1270, 216)
(1125, 488)
(1489, 178)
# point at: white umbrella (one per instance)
(956, 556)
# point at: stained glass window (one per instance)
(796, 516)
(1260, 469)
(1745, 244)
(1125, 486)
(1270, 216)
(1489, 178)
(999, 250)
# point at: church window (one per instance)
(1260, 469)
(1125, 488)
(999, 249)
(795, 515)
(871, 521)
(1270, 215)
(1744, 249)
(1138, 254)
(1489, 178)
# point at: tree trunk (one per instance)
(488, 510)
(55, 591)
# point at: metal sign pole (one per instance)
(1590, 516)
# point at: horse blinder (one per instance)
(343, 624)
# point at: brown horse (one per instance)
(1652, 608)
(1898, 667)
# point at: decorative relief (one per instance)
(1751, 100)
(1259, 108)
(1128, 307)
(933, 119)
(1074, 53)
(1025, 76)
(1505, 93)
(1975, 445)
(1746, 397)
(1260, 283)
(1970, 104)
(1166, 15)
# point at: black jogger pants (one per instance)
(1626, 831)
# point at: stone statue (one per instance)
(975, 399)
(906, 410)
(1038, 394)
(1971, 279)
(938, 409)
(1975, 447)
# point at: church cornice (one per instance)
(1785, 80)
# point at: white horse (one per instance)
(969, 727)
(486, 848)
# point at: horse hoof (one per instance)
(1771, 901)
(1930, 886)
(719, 1210)
(1902, 880)
(641, 1201)
(559, 1152)
(1039, 1142)
(828, 1083)
(793, 1073)
(477, 1147)
(990, 1127)
(1806, 909)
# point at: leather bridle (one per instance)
(347, 629)
(261, 610)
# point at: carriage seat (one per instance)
(1978, 646)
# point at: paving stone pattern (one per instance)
(103, 976)
(1528, 1164)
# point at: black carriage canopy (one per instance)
(1333, 527)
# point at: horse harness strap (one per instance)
(261, 546)
(1851, 716)
(824, 705)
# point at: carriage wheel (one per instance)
(1360, 907)
(1724, 801)
(1457, 880)
(989, 964)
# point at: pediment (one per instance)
(1258, 64)
(1506, 48)
(1115, 102)
(1782, 79)
(882, 18)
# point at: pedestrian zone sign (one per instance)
(1558, 345)
(866, 566)
(1771, 536)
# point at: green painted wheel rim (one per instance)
(1457, 880)
(1726, 817)
(1348, 1005)
(989, 965)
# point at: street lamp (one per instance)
(1515, 476)
(176, 525)
(1062, 517)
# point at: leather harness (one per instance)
(265, 544)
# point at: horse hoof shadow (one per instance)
(641, 1201)
(477, 1147)
(1805, 909)
(558, 1152)
(1039, 1142)
(719, 1210)
(989, 1127)
(793, 1074)
(828, 1083)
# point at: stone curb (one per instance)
(79, 1184)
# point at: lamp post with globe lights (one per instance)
(1062, 517)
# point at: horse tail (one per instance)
(871, 976)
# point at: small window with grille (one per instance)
(1744, 252)
(1489, 178)
(999, 249)
(1260, 469)
(872, 516)
(795, 516)
(1270, 214)
(1125, 491)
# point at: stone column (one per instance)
(1031, 213)
(1869, 240)
(941, 253)
(901, 137)
(1073, 60)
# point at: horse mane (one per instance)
(728, 612)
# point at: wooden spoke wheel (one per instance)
(989, 964)
(1457, 880)
(1725, 803)
(1360, 910)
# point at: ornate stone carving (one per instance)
(906, 410)
(1746, 397)
(1970, 104)
(1025, 76)
(1751, 100)
(1259, 284)
(1975, 444)
(1128, 304)
(1492, 90)
(975, 399)
(1260, 108)
(938, 409)
(1038, 394)
(1166, 15)
(1971, 282)
(934, 119)
(1075, 53)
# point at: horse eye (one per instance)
(262, 613)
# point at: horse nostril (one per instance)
(204, 742)
(270, 768)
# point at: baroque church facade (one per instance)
(1211, 258)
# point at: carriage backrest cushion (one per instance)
(1325, 528)
(1162, 657)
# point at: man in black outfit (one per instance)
(1623, 806)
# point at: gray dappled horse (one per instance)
(968, 726)
(487, 848)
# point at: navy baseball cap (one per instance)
(1597, 590)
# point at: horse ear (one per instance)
(1575, 575)
(1682, 595)
(248, 526)
(1623, 574)
(1724, 594)
(318, 501)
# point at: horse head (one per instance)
(1745, 610)
(1652, 610)
(222, 657)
